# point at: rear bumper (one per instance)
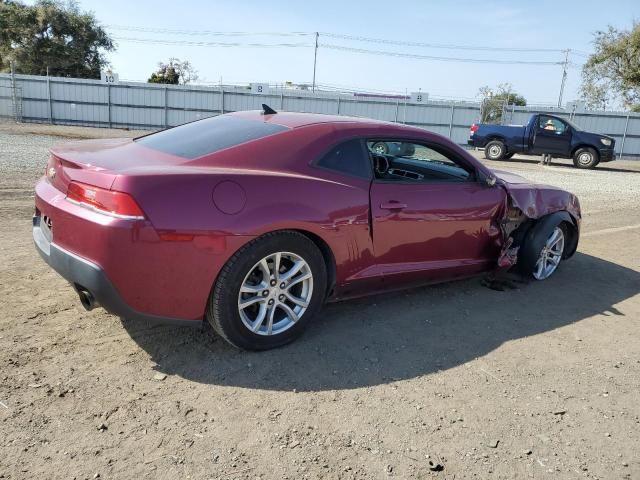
(152, 278)
(85, 275)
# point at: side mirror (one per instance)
(488, 180)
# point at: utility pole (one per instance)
(564, 75)
(315, 61)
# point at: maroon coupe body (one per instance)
(144, 227)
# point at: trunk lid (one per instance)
(100, 162)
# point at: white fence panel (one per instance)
(150, 106)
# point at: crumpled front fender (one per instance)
(539, 200)
(526, 202)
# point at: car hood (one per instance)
(537, 200)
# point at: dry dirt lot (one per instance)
(537, 382)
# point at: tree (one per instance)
(174, 72)
(494, 101)
(51, 34)
(613, 71)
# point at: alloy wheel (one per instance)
(550, 255)
(275, 293)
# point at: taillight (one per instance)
(473, 129)
(116, 204)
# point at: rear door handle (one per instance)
(393, 205)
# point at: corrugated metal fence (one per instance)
(134, 105)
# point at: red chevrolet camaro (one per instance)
(252, 220)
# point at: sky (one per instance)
(540, 24)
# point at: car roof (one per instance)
(295, 119)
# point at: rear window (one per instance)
(209, 135)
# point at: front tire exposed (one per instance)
(544, 248)
(268, 292)
(585, 158)
(495, 150)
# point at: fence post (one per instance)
(221, 100)
(338, 104)
(397, 108)
(282, 99)
(624, 136)
(109, 102)
(14, 96)
(49, 97)
(166, 107)
(451, 120)
(404, 110)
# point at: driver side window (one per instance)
(411, 162)
(551, 124)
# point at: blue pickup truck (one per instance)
(544, 134)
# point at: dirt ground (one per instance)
(538, 382)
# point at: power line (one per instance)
(204, 32)
(207, 44)
(170, 31)
(438, 45)
(334, 47)
(566, 63)
(431, 57)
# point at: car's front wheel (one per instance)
(268, 291)
(495, 150)
(544, 249)
(585, 158)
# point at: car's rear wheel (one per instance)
(585, 158)
(495, 150)
(544, 249)
(268, 291)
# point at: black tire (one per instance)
(585, 158)
(381, 148)
(535, 241)
(222, 311)
(495, 150)
(507, 156)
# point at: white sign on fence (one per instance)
(260, 88)
(419, 97)
(109, 77)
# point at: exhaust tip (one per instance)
(86, 299)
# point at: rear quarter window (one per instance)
(348, 157)
(203, 137)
